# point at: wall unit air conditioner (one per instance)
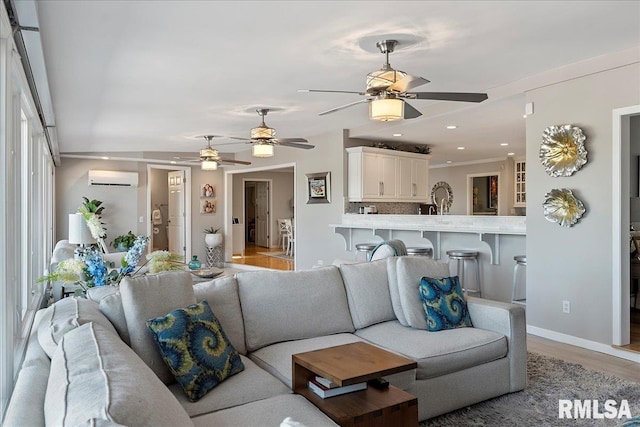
(113, 178)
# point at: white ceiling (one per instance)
(151, 75)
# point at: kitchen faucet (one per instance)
(442, 206)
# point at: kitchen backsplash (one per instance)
(398, 208)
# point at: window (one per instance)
(26, 211)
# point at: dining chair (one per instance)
(291, 240)
(282, 227)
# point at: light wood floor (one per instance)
(594, 360)
(252, 257)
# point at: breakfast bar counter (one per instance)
(488, 229)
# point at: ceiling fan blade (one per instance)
(407, 83)
(410, 112)
(342, 107)
(330, 91)
(229, 137)
(239, 162)
(281, 140)
(295, 145)
(448, 96)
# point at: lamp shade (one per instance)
(209, 165)
(386, 110)
(262, 150)
(79, 233)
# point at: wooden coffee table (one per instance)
(355, 363)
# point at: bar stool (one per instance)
(461, 257)
(419, 251)
(516, 297)
(366, 249)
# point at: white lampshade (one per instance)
(209, 165)
(79, 233)
(386, 110)
(262, 150)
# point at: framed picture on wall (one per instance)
(207, 206)
(318, 187)
(206, 190)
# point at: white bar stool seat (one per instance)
(519, 290)
(462, 257)
(365, 248)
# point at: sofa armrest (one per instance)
(509, 320)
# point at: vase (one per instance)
(194, 264)
(213, 240)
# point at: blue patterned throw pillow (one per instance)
(195, 348)
(444, 303)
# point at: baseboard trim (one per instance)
(581, 342)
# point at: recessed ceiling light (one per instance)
(511, 154)
(460, 148)
(397, 134)
(524, 116)
(452, 127)
(104, 158)
(504, 144)
(449, 161)
(173, 162)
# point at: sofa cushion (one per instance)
(98, 292)
(252, 384)
(438, 353)
(111, 307)
(149, 296)
(268, 412)
(289, 305)
(444, 303)
(222, 296)
(276, 358)
(392, 277)
(96, 378)
(195, 348)
(65, 315)
(409, 272)
(367, 289)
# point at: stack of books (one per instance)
(325, 388)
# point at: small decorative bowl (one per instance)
(207, 273)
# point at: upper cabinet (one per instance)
(384, 175)
(520, 189)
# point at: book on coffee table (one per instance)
(325, 392)
(326, 382)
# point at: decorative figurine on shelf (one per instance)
(194, 264)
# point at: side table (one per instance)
(353, 363)
(215, 256)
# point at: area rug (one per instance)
(279, 255)
(537, 405)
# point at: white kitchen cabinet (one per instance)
(383, 175)
(520, 184)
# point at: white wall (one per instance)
(456, 177)
(575, 263)
(314, 238)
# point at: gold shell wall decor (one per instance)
(562, 150)
(562, 207)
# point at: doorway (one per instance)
(483, 193)
(621, 208)
(257, 200)
(169, 209)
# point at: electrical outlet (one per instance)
(566, 307)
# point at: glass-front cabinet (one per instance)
(520, 189)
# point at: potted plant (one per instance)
(124, 242)
(212, 238)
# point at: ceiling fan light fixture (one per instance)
(263, 132)
(383, 78)
(209, 165)
(386, 109)
(262, 150)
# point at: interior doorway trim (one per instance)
(228, 198)
(621, 149)
(470, 177)
(187, 201)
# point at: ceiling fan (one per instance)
(263, 139)
(387, 90)
(210, 158)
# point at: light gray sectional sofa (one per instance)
(95, 363)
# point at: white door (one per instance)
(262, 214)
(388, 165)
(405, 176)
(420, 175)
(176, 232)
